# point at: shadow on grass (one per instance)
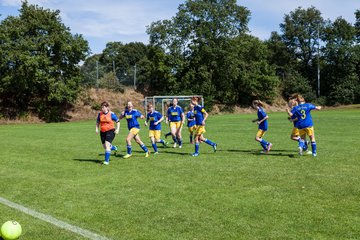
(87, 160)
(176, 153)
(272, 153)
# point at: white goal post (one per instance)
(161, 103)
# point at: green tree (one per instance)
(300, 31)
(92, 71)
(39, 63)
(357, 52)
(279, 54)
(357, 25)
(209, 53)
(342, 81)
(256, 78)
(155, 73)
(122, 59)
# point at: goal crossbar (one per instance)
(163, 99)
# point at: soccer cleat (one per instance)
(300, 151)
(214, 147)
(147, 154)
(308, 152)
(156, 152)
(115, 149)
(180, 146)
(306, 145)
(127, 156)
(105, 163)
(174, 146)
(195, 154)
(165, 144)
(269, 147)
(314, 154)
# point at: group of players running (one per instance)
(298, 111)
(175, 116)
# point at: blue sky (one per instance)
(102, 21)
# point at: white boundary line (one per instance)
(52, 220)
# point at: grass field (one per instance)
(235, 193)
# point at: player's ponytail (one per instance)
(300, 98)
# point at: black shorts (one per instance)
(107, 136)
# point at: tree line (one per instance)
(204, 49)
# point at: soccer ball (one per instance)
(11, 230)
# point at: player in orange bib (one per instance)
(105, 123)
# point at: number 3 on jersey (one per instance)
(303, 114)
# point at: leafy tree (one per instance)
(122, 58)
(39, 63)
(340, 71)
(294, 82)
(357, 53)
(301, 29)
(257, 78)
(279, 54)
(92, 71)
(357, 25)
(209, 52)
(155, 73)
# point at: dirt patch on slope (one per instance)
(88, 104)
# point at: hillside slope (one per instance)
(88, 103)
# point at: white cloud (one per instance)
(17, 3)
(266, 16)
(126, 20)
(104, 18)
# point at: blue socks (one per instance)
(129, 149)
(313, 147)
(207, 141)
(107, 156)
(264, 144)
(144, 148)
(197, 146)
(301, 143)
(154, 147)
(179, 141)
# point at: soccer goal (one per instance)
(162, 103)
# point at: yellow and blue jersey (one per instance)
(174, 114)
(131, 118)
(302, 113)
(190, 116)
(261, 115)
(152, 118)
(199, 114)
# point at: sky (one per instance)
(103, 21)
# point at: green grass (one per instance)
(235, 193)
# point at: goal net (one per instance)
(162, 103)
